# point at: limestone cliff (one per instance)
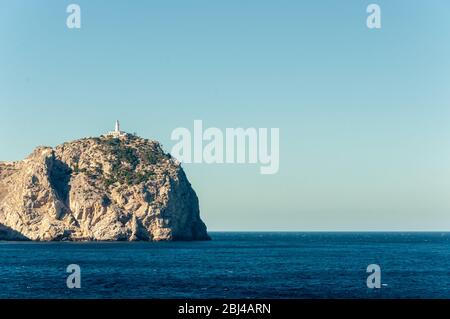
(103, 188)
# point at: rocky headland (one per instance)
(106, 188)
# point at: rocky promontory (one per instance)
(104, 188)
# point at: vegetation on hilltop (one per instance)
(127, 155)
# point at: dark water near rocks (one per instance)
(234, 265)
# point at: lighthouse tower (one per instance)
(117, 132)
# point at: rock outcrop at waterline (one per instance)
(105, 188)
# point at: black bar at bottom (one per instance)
(213, 308)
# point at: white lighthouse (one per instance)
(117, 132)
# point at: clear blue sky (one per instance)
(364, 115)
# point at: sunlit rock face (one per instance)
(107, 188)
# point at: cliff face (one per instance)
(104, 188)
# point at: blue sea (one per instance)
(234, 265)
